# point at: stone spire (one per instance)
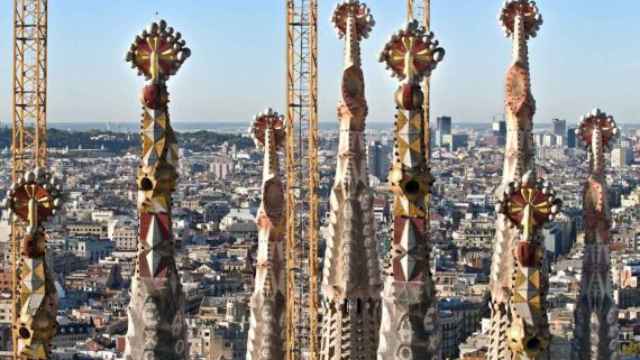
(596, 314)
(405, 332)
(33, 200)
(351, 277)
(157, 328)
(266, 332)
(519, 328)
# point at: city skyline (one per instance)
(303, 239)
(231, 85)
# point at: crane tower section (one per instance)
(420, 10)
(302, 180)
(29, 85)
(29, 152)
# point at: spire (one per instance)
(157, 300)
(351, 280)
(411, 54)
(32, 200)
(519, 328)
(596, 315)
(268, 299)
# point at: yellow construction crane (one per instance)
(29, 132)
(302, 180)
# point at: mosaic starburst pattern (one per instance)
(525, 8)
(529, 200)
(529, 205)
(364, 21)
(158, 52)
(412, 53)
(268, 120)
(30, 197)
(597, 120)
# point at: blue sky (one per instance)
(587, 54)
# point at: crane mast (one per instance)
(29, 119)
(421, 10)
(302, 180)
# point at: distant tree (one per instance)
(633, 348)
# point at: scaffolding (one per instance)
(302, 180)
(29, 115)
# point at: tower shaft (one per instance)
(29, 146)
(157, 328)
(519, 328)
(302, 180)
(351, 279)
(596, 327)
(266, 332)
(406, 330)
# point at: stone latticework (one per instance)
(157, 328)
(407, 331)
(351, 277)
(596, 314)
(33, 200)
(266, 332)
(518, 283)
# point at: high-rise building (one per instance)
(621, 156)
(499, 130)
(559, 127)
(500, 127)
(456, 141)
(378, 159)
(443, 128)
(549, 140)
(571, 138)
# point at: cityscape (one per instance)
(291, 237)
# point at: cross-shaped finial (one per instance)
(412, 53)
(158, 52)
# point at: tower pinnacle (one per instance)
(351, 280)
(596, 314)
(411, 54)
(519, 281)
(157, 328)
(268, 300)
(32, 200)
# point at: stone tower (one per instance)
(596, 316)
(266, 332)
(157, 328)
(351, 277)
(519, 328)
(407, 332)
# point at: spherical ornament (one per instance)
(154, 96)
